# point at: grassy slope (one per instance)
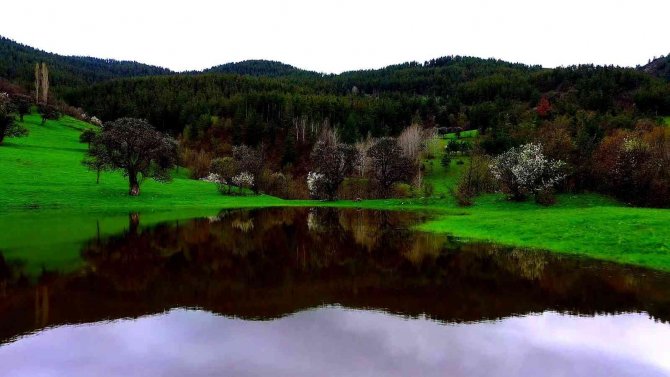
(50, 204)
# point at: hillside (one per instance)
(17, 62)
(659, 67)
(261, 68)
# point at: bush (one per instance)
(198, 162)
(401, 190)
(525, 171)
(316, 183)
(475, 180)
(355, 188)
(634, 166)
(87, 136)
(446, 161)
(243, 180)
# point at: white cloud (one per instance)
(333, 36)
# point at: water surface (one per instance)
(327, 292)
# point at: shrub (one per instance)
(316, 183)
(401, 190)
(225, 169)
(446, 161)
(198, 162)
(525, 171)
(635, 166)
(355, 188)
(243, 180)
(87, 136)
(475, 180)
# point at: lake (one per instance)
(326, 292)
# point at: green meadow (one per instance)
(50, 204)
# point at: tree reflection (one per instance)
(262, 264)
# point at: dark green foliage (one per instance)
(265, 68)
(87, 136)
(48, 112)
(446, 161)
(8, 125)
(134, 147)
(17, 62)
(475, 180)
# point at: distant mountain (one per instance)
(17, 62)
(659, 67)
(258, 68)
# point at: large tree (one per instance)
(134, 147)
(388, 164)
(8, 125)
(332, 161)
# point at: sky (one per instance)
(333, 36)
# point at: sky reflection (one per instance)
(334, 341)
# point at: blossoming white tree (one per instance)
(244, 180)
(316, 183)
(525, 171)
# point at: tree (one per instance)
(134, 147)
(411, 140)
(225, 169)
(388, 164)
(543, 107)
(525, 170)
(249, 160)
(22, 105)
(243, 180)
(97, 160)
(87, 136)
(48, 112)
(8, 125)
(333, 161)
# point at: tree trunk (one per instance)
(134, 185)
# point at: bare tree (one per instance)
(389, 165)
(332, 161)
(411, 140)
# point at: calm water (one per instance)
(299, 292)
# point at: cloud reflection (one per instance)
(334, 341)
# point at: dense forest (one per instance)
(583, 115)
(17, 63)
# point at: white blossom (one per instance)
(95, 121)
(525, 170)
(243, 180)
(315, 183)
(213, 178)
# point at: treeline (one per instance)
(17, 63)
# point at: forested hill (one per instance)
(17, 63)
(266, 68)
(659, 67)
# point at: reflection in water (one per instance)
(337, 342)
(277, 263)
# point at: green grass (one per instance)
(44, 171)
(50, 204)
(667, 120)
(469, 134)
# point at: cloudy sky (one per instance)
(340, 35)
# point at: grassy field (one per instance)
(667, 120)
(469, 134)
(50, 204)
